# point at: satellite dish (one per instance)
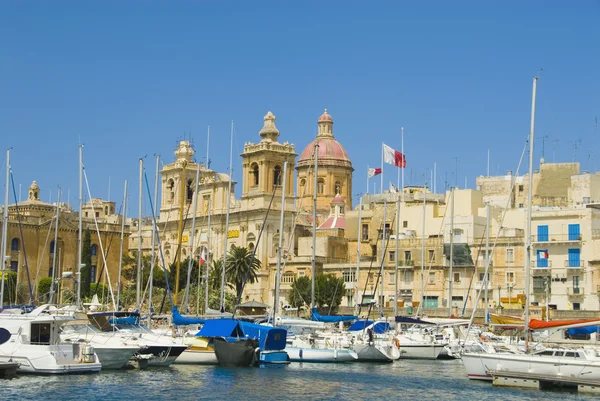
(4, 335)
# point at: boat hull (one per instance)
(198, 356)
(162, 355)
(114, 357)
(376, 353)
(312, 355)
(420, 351)
(277, 357)
(239, 353)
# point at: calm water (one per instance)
(404, 380)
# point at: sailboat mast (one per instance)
(55, 250)
(396, 259)
(356, 303)
(314, 230)
(382, 259)
(421, 306)
(5, 227)
(529, 208)
(206, 262)
(139, 255)
(154, 234)
(487, 260)
(80, 230)
(180, 229)
(123, 218)
(192, 237)
(278, 273)
(451, 272)
(226, 233)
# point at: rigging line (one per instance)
(254, 250)
(35, 280)
(12, 180)
(491, 253)
(167, 288)
(87, 184)
(101, 275)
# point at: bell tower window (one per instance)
(254, 172)
(277, 176)
(338, 187)
(189, 191)
(320, 186)
(171, 189)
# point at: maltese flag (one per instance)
(203, 257)
(372, 172)
(394, 157)
(543, 254)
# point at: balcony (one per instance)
(575, 291)
(406, 263)
(574, 264)
(543, 264)
(483, 286)
(555, 239)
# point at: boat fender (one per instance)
(397, 342)
(484, 339)
(300, 353)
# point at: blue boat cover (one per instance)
(179, 320)
(583, 330)
(316, 317)
(124, 320)
(221, 328)
(378, 327)
(410, 320)
(269, 338)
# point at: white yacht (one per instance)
(36, 346)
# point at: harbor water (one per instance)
(402, 380)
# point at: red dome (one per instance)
(325, 117)
(329, 148)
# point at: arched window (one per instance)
(251, 246)
(14, 244)
(94, 250)
(52, 247)
(170, 188)
(277, 176)
(93, 274)
(320, 186)
(189, 191)
(338, 187)
(302, 184)
(275, 244)
(254, 172)
(105, 209)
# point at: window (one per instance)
(287, 278)
(482, 277)
(251, 246)
(171, 189)
(254, 172)
(50, 271)
(431, 254)
(573, 254)
(94, 250)
(576, 306)
(542, 258)
(392, 256)
(97, 214)
(349, 277)
(14, 244)
(206, 203)
(365, 232)
(457, 277)
(371, 278)
(14, 266)
(51, 247)
(301, 273)
(338, 187)
(86, 214)
(542, 232)
(431, 278)
(277, 176)
(93, 274)
(320, 186)
(574, 233)
(510, 277)
(575, 284)
(40, 334)
(405, 224)
(391, 278)
(510, 255)
(407, 256)
(189, 191)
(521, 206)
(407, 276)
(302, 185)
(520, 188)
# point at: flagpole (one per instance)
(404, 165)
(434, 177)
(381, 189)
(367, 178)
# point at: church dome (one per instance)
(330, 150)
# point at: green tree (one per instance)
(10, 286)
(241, 268)
(86, 259)
(300, 292)
(329, 291)
(214, 275)
(43, 288)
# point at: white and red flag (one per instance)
(394, 157)
(372, 172)
(203, 257)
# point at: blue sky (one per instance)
(129, 79)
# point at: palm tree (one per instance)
(214, 275)
(241, 268)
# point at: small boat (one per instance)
(36, 346)
(315, 349)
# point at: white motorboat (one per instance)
(313, 349)
(36, 346)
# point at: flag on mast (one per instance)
(394, 157)
(393, 188)
(203, 257)
(372, 172)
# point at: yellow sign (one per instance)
(233, 234)
(184, 238)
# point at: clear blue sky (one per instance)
(131, 78)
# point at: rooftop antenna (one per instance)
(543, 144)
(554, 142)
(576, 144)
